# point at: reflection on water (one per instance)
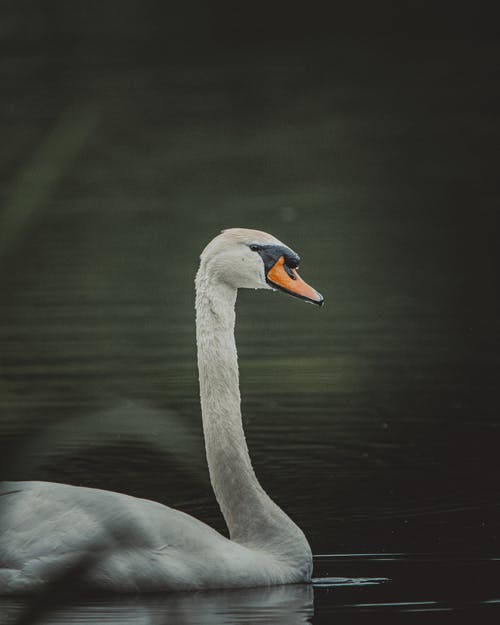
(335, 582)
(281, 605)
(393, 586)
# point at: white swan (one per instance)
(141, 545)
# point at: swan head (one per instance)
(251, 259)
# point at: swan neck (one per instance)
(251, 516)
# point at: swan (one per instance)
(143, 546)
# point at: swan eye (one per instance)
(254, 247)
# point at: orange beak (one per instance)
(287, 279)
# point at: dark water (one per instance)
(374, 421)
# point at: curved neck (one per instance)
(252, 517)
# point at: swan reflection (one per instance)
(290, 604)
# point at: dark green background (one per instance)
(366, 137)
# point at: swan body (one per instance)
(136, 545)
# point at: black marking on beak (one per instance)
(270, 254)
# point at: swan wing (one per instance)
(135, 544)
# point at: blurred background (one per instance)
(367, 138)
